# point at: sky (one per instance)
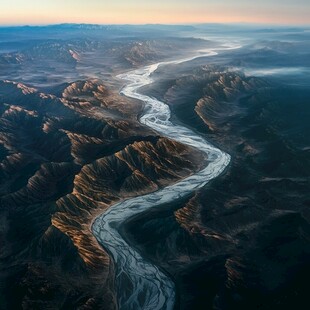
(21, 12)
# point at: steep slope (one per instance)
(64, 160)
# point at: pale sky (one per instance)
(158, 11)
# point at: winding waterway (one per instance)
(139, 283)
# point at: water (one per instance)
(139, 283)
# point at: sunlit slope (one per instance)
(65, 159)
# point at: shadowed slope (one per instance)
(243, 241)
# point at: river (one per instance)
(139, 283)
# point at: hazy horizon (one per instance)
(3, 25)
(34, 12)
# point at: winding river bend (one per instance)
(139, 283)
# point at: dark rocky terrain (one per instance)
(243, 241)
